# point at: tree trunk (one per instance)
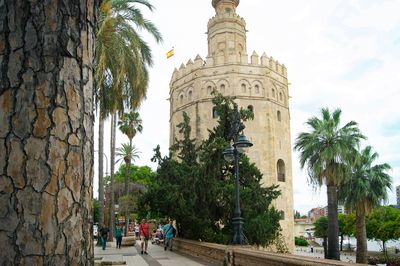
(361, 233)
(46, 132)
(333, 224)
(325, 245)
(127, 168)
(341, 242)
(112, 159)
(101, 173)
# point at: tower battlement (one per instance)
(254, 60)
(224, 17)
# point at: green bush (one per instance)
(392, 261)
(300, 242)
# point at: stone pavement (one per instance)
(318, 252)
(131, 256)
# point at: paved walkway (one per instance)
(131, 256)
(318, 252)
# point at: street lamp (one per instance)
(240, 143)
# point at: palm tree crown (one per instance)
(127, 152)
(130, 124)
(327, 147)
(368, 185)
(122, 56)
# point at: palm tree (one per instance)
(128, 153)
(325, 151)
(46, 132)
(129, 124)
(122, 59)
(366, 189)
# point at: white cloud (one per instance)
(342, 54)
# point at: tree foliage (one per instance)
(137, 174)
(383, 224)
(196, 186)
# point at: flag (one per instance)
(170, 53)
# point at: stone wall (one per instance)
(247, 256)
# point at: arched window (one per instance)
(209, 90)
(222, 88)
(243, 87)
(215, 112)
(280, 166)
(278, 116)
(190, 95)
(181, 98)
(280, 96)
(257, 89)
(273, 93)
(250, 108)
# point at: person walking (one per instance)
(103, 234)
(144, 232)
(118, 235)
(169, 233)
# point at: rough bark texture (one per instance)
(101, 167)
(46, 132)
(361, 256)
(333, 224)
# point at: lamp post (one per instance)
(231, 153)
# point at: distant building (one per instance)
(316, 213)
(340, 209)
(398, 195)
(304, 228)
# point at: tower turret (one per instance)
(226, 33)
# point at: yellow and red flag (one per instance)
(170, 53)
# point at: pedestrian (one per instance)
(136, 230)
(169, 233)
(144, 232)
(103, 234)
(118, 235)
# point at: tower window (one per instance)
(215, 112)
(278, 115)
(280, 96)
(280, 166)
(273, 93)
(190, 95)
(222, 88)
(181, 98)
(257, 89)
(209, 89)
(250, 108)
(243, 87)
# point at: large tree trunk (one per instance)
(361, 233)
(112, 159)
(101, 173)
(46, 132)
(333, 224)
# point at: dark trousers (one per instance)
(103, 242)
(119, 240)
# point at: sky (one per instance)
(338, 54)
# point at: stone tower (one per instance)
(259, 83)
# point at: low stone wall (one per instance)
(246, 256)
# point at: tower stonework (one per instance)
(259, 83)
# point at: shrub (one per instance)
(300, 242)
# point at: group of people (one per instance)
(166, 232)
